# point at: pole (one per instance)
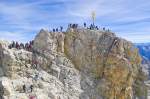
(93, 17)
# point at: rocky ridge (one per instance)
(77, 64)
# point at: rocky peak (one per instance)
(43, 39)
(78, 64)
(115, 62)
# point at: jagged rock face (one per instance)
(44, 41)
(48, 41)
(50, 58)
(77, 64)
(110, 63)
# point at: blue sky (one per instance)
(21, 20)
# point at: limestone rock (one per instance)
(6, 86)
(43, 41)
(105, 60)
(77, 64)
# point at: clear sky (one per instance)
(22, 19)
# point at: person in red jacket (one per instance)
(17, 45)
(32, 97)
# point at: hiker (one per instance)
(76, 25)
(61, 28)
(29, 61)
(13, 44)
(30, 47)
(71, 25)
(97, 28)
(31, 42)
(17, 45)
(34, 63)
(32, 97)
(26, 46)
(36, 77)
(53, 30)
(56, 29)
(10, 46)
(21, 46)
(24, 88)
(104, 28)
(84, 24)
(31, 88)
(91, 26)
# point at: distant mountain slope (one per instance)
(144, 50)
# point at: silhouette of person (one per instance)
(56, 29)
(53, 30)
(84, 24)
(24, 88)
(61, 28)
(31, 88)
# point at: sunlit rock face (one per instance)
(109, 65)
(77, 64)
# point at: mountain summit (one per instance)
(77, 64)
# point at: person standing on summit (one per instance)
(84, 24)
(61, 28)
(24, 88)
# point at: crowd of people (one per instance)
(73, 26)
(91, 27)
(27, 46)
(58, 29)
(94, 27)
